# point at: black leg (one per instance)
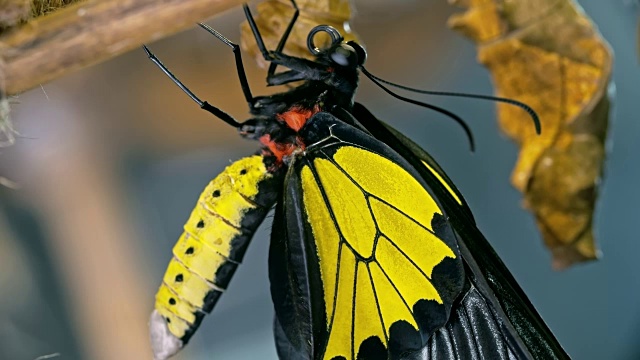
(256, 33)
(244, 83)
(203, 104)
(309, 70)
(286, 77)
(277, 57)
(283, 39)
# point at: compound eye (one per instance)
(344, 55)
(360, 51)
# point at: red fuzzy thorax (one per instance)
(278, 149)
(294, 118)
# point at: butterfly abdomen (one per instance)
(213, 243)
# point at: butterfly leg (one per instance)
(283, 39)
(203, 104)
(258, 105)
(244, 83)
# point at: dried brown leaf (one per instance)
(549, 55)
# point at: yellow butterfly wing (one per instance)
(372, 226)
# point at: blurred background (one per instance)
(113, 158)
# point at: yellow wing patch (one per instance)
(376, 248)
(381, 177)
(391, 304)
(340, 336)
(407, 278)
(426, 253)
(366, 307)
(326, 235)
(358, 226)
(443, 182)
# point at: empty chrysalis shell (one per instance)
(273, 17)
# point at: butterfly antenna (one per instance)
(523, 106)
(455, 117)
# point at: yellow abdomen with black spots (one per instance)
(214, 240)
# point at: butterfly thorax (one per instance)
(282, 116)
(282, 139)
(329, 85)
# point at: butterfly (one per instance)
(374, 253)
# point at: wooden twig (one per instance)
(86, 33)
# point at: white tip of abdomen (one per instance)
(163, 342)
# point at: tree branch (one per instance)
(90, 32)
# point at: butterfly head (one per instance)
(341, 54)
